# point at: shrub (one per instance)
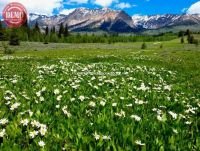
(196, 42)
(144, 46)
(46, 41)
(182, 40)
(14, 39)
(6, 49)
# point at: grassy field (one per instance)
(100, 97)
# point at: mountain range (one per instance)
(105, 19)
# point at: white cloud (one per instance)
(66, 11)
(124, 5)
(36, 6)
(184, 10)
(77, 2)
(194, 8)
(105, 3)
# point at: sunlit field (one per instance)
(100, 97)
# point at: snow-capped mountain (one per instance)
(105, 19)
(44, 20)
(94, 19)
(160, 21)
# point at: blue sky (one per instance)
(141, 7)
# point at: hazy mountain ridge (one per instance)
(105, 19)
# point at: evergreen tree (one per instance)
(37, 28)
(1, 26)
(187, 33)
(53, 37)
(61, 30)
(14, 38)
(25, 25)
(66, 32)
(191, 40)
(53, 30)
(1, 32)
(181, 33)
(47, 31)
(182, 40)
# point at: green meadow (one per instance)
(93, 96)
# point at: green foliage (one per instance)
(53, 37)
(181, 33)
(26, 33)
(14, 38)
(61, 30)
(2, 36)
(47, 31)
(188, 32)
(46, 40)
(191, 39)
(182, 40)
(6, 49)
(196, 42)
(66, 31)
(53, 30)
(37, 28)
(150, 86)
(144, 46)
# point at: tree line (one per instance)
(62, 35)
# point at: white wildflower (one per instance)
(2, 133)
(161, 118)
(41, 143)
(3, 121)
(114, 104)
(106, 137)
(122, 98)
(39, 93)
(82, 98)
(59, 98)
(140, 102)
(175, 131)
(43, 89)
(143, 87)
(120, 114)
(30, 113)
(167, 87)
(35, 123)
(33, 134)
(41, 99)
(136, 117)
(96, 136)
(43, 130)
(64, 109)
(188, 123)
(129, 105)
(73, 99)
(92, 104)
(56, 91)
(102, 103)
(174, 115)
(138, 142)
(24, 122)
(57, 106)
(15, 106)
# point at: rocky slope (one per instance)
(105, 19)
